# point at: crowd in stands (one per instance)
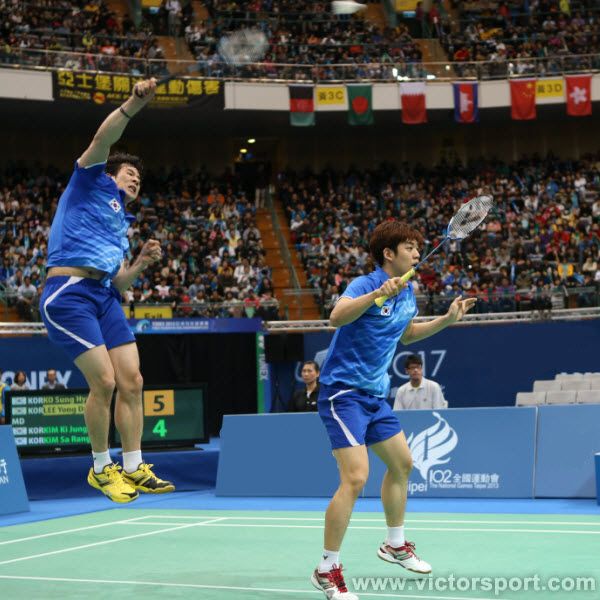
(213, 259)
(87, 27)
(321, 41)
(523, 37)
(540, 249)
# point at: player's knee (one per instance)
(132, 387)
(356, 481)
(104, 386)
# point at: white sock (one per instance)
(328, 560)
(101, 459)
(395, 537)
(132, 460)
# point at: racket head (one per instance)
(469, 216)
(244, 46)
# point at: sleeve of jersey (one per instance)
(359, 287)
(86, 176)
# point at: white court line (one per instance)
(380, 520)
(105, 542)
(44, 535)
(452, 529)
(227, 587)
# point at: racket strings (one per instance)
(469, 217)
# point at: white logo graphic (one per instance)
(465, 102)
(386, 311)
(114, 204)
(429, 447)
(578, 95)
(3, 472)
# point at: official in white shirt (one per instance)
(418, 393)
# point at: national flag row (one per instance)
(578, 92)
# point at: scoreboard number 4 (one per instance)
(159, 403)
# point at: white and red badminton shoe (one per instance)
(405, 557)
(332, 584)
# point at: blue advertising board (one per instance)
(13, 496)
(457, 453)
(229, 325)
(476, 365)
(466, 453)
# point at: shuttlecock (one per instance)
(346, 7)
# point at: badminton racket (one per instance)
(467, 218)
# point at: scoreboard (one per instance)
(53, 421)
(172, 416)
(48, 420)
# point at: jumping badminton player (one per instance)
(81, 302)
(352, 399)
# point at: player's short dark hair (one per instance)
(413, 359)
(389, 235)
(313, 363)
(118, 159)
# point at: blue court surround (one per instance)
(207, 500)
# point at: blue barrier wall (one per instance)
(568, 438)
(479, 365)
(13, 497)
(475, 453)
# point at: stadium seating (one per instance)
(533, 256)
(546, 386)
(530, 398)
(574, 386)
(588, 397)
(561, 397)
(213, 256)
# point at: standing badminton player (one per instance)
(352, 399)
(81, 302)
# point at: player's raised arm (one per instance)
(349, 309)
(113, 126)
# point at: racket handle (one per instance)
(408, 275)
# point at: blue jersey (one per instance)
(90, 225)
(361, 352)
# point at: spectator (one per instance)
(305, 399)
(418, 393)
(51, 381)
(20, 381)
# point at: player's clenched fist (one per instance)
(391, 287)
(151, 252)
(143, 91)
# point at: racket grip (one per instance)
(408, 275)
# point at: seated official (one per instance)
(305, 399)
(418, 393)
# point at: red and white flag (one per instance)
(579, 95)
(414, 110)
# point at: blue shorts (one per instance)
(355, 418)
(80, 314)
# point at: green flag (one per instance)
(360, 104)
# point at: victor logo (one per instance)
(432, 446)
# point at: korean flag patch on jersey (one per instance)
(386, 311)
(115, 205)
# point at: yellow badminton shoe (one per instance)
(144, 480)
(112, 484)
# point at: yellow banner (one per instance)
(114, 89)
(405, 5)
(331, 95)
(147, 311)
(550, 88)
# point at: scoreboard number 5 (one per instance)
(159, 403)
